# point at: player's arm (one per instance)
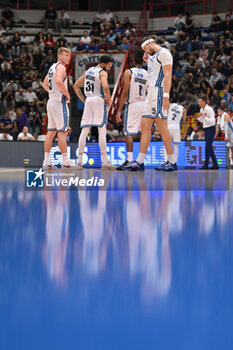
(124, 95)
(59, 80)
(217, 131)
(45, 83)
(77, 87)
(184, 120)
(226, 129)
(167, 71)
(104, 82)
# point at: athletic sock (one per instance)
(165, 155)
(141, 157)
(171, 158)
(64, 157)
(176, 152)
(46, 157)
(130, 156)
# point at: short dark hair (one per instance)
(105, 59)
(203, 98)
(152, 36)
(138, 57)
(222, 108)
(181, 98)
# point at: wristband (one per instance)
(166, 94)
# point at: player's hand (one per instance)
(166, 103)
(145, 57)
(227, 139)
(118, 117)
(67, 97)
(108, 101)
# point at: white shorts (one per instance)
(133, 117)
(154, 103)
(95, 112)
(175, 133)
(58, 115)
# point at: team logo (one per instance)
(35, 178)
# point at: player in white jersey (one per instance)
(229, 136)
(55, 83)
(220, 125)
(134, 92)
(96, 90)
(159, 61)
(176, 114)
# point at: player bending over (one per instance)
(229, 136)
(134, 91)
(176, 114)
(55, 83)
(96, 90)
(159, 62)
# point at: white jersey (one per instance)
(221, 121)
(155, 67)
(137, 90)
(92, 83)
(175, 114)
(54, 91)
(229, 130)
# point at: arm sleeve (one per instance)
(165, 57)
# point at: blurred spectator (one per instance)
(20, 98)
(12, 114)
(5, 136)
(31, 98)
(100, 16)
(8, 98)
(108, 15)
(95, 35)
(81, 47)
(15, 44)
(64, 21)
(125, 44)
(205, 88)
(61, 42)
(15, 130)
(200, 133)
(165, 43)
(70, 136)
(24, 39)
(22, 118)
(227, 24)
(50, 18)
(216, 79)
(39, 40)
(90, 137)
(204, 52)
(216, 99)
(104, 45)
(12, 85)
(37, 59)
(93, 47)
(41, 100)
(191, 135)
(6, 71)
(37, 123)
(111, 36)
(6, 122)
(179, 22)
(112, 132)
(189, 23)
(7, 18)
(215, 25)
(113, 47)
(126, 24)
(49, 43)
(230, 106)
(86, 39)
(226, 96)
(25, 135)
(117, 29)
(48, 61)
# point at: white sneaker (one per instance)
(67, 164)
(108, 165)
(48, 166)
(79, 166)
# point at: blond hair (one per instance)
(63, 49)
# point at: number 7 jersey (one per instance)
(138, 84)
(92, 83)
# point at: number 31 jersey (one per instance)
(92, 83)
(175, 114)
(138, 84)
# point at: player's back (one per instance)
(92, 83)
(54, 91)
(175, 114)
(138, 83)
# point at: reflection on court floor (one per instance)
(116, 269)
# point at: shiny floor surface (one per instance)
(118, 269)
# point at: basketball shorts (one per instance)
(95, 112)
(58, 115)
(175, 133)
(133, 117)
(154, 104)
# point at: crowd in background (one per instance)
(198, 68)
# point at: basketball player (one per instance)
(229, 136)
(55, 83)
(159, 61)
(134, 91)
(176, 113)
(96, 90)
(220, 125)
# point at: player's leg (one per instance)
(106, 164)
(231, 157)
(82, 144)
(176, 151)
(145, 138)
(129, 147)
(47, 147)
